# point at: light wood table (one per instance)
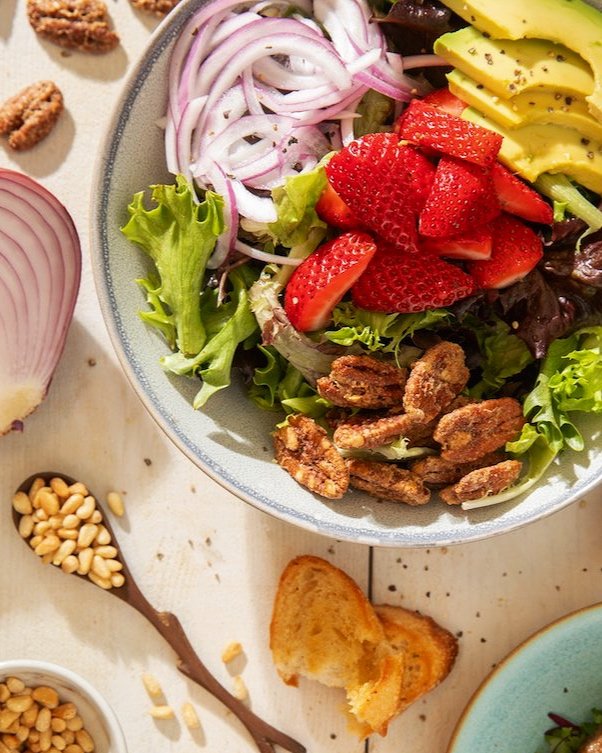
(195, 548)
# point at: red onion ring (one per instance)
(40, 268)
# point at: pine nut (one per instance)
(60, 488)
(114, 566)
(151, 685)
(40, 528)
(85, 561)
(69, 737)
(34, 541)
(86, 509)
(22, 733)
(73, 748)
(37, 484)
(40, 514)
(22, 504)
(66, 711)
(107, 552)
(68, 533)
(239, 689)
(58, 742)
(161, 712)
(103, 537)
(75, 724)
(87, 534)
(49, 543)
(28, 718)
(117, 580)
(49, 502)
(26, 524)
(57, 724)
(11, 742)
(99, 566)
(79, 488)
(7, 717)
(47, 558)
(102, 582)
(64, 550)
(45, 739)
(72, 503)
(15, 685)
(55, 521)
(46, 696)
(4, 692)
(70, 564)
(189, 715)
(43, 720)
(231, 651)
(115, 503)
(71, 521)
(19, 703)
(96, 517)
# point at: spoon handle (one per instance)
(169, 626)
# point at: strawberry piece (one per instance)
(461, 198)
(474, 245)
(333, 210)
(516, 251)
(321, 280)
(427, 126)
(444, 100)
(395, 282)
(384, 184)
(516, 197)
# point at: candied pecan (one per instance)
(361, 431)
(470, 432)
(363, 382)
(304, 450)
(482, 482)
(387, 481)
(75, 24)
(30, 115)
(435, 380)
(156, 7)
(436, 471)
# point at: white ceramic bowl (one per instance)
(231, 439)
(98, 717)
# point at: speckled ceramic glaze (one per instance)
(556, 670)
(231, 440)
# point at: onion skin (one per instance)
(40, 272)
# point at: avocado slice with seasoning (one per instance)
(508, 68)
(555, 106)
(535, 149)
(572, 23)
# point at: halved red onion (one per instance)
(40, 267)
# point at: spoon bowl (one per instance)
(168, 625)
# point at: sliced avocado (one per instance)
(536, 149)
(538, 106)
(510, 67)
(572, 23)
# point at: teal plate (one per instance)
(556, 670)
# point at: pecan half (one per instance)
(364, 432)
(435, 380)
(303, 449)
(483, 482)
(388, 481)
(363, 382)
(470, 432)
(30, 115)
(75, 24)
(156, 7)
(436, 471)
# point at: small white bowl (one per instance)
(98, 717)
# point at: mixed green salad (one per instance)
(569, 737)
(240, 217)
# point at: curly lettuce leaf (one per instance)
(295, 203)
(179, 235)
(228, 324)
(569, 737)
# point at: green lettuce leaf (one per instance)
(397, 450)
(375, 110)
(179, 235)
(571, 739)
(229, 324)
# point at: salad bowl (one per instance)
(554, 671)
(230, 438)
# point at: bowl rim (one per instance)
(165, 33)
(513, 655)
(16, 666)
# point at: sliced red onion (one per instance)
(40, 267)
(255, 253)
(257, 208)
(422, 61)
(225, 243)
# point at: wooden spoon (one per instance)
(168, 625)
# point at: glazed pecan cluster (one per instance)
(378, 403)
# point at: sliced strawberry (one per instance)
(473, 245)
(385, 185)
(333, 210)
(461, 198)
(408, 283)
(319, 282)
(516, 197)
(427, 126)
(444, 100)
(516, 251)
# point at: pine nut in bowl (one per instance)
(54, 702)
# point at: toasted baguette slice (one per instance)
(430, 650)
(324, 628)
